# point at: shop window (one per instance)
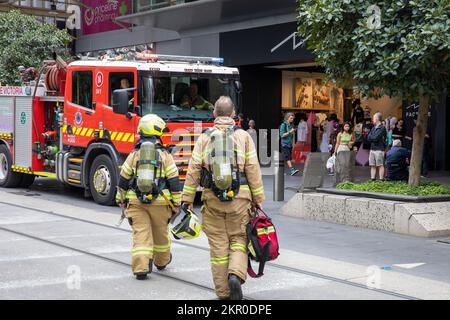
(82, 88)
(121, 80)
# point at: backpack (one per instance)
(262, 242)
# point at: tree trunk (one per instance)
(418, 140)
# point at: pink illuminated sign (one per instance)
(98, 15)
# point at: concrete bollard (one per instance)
(278, 177)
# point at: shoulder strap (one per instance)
(236, 128)
(160, 146)
(262, 263)
(209, 131)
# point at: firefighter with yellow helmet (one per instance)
(150, 186)
(225, 163)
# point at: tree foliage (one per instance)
(25, 41)
(391, 47)
(404, 51)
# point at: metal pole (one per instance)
(278, 178)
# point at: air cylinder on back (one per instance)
(222, 159)
(146, 168)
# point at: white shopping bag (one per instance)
(330, 163)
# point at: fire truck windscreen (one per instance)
(181, 98)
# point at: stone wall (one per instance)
(418, 219)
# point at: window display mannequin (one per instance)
(302, 130)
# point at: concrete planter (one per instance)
(385, 196)
(418, 219)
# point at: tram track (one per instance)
(111, 260)
(269, 264)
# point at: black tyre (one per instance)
(27, 180)
(8, 178)
(103, 180)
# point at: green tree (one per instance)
(25, 41)
(390, 47)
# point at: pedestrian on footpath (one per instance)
(397, 162)
(378, 143)
(225, 209)
(333, 129)
(345, 139)
(343, 158)
(287, 132)
(399, 131)
(148, 173)
(252, 131)
(390, 130)
(243, 121)
(325, 143)
(426, 153)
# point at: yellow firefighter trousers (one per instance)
(225, 226)
(150, 235)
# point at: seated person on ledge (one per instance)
(194, 100)
(396, 162)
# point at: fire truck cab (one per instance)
(78, 124)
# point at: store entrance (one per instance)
(348, 105)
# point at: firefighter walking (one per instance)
(149, 183)
(224, 161)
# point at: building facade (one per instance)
(259, 36)
(46, 11)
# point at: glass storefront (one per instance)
(310, 92)
(320, 108)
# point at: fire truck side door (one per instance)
(122, 128)
(81, 109)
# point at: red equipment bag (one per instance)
(262, 241)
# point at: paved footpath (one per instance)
(54, 244)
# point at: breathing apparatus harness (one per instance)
(154, 184)
(218, 174)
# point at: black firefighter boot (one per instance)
(161, 268)
(143, 275)
(235, 287)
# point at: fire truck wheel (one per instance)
(27, 180)
(8, 178)
(103, 180)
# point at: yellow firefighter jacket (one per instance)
(246, 159)
(168, 170)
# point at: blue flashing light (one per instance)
(217, 60)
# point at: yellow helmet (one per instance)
(189, 228)
(151, 125)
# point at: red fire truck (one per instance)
(80, 121)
